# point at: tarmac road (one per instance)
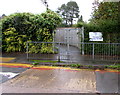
(9, 73)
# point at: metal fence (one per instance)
(66, 52)
(102, 51)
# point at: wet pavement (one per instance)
(107, 82)
(47, 79)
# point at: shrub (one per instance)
(19, 28)
(110, 31)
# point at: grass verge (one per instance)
(47, 61)
(37, 62)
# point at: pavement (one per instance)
(49, 79)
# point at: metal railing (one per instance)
(102, 51)
(66, 52)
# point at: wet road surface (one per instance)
(9, 73)
(47, 79)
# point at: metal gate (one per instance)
(68, 46)
(70, 40)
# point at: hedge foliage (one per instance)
(18, 28)
(111, 34)
(110, 30)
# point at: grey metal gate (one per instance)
(68, 46)
(70, 39)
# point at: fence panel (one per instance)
(62, 51)
(103, 51)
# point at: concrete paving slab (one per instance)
(54, 81)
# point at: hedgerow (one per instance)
(18, 28)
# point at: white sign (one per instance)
(95, 36)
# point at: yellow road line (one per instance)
(6, 59)
(109, 70)
(16, 64)
(51, 67)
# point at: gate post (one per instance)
(83, 49)
(27, 49)
(53, 45)
(93, 51)
(59, 52)
(82, 40)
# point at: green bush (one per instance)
(13, 41)
(110, 31)
(18, 28)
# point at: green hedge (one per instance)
(111, 34)
(18, 28)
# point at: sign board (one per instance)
(95, 36)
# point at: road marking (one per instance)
(9, 75)
(57, 68)
(6, 59)
(16, 65)
(107, 70)
(41, 67)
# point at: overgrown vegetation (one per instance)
(18, 28)
(113, 66)
(105, 19)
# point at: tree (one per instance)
(80, 19)
(63, 13)
(68, 12)
(3, 15)
(105, 11)
(106, 17)
(45, 3)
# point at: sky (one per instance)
(8, 7)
